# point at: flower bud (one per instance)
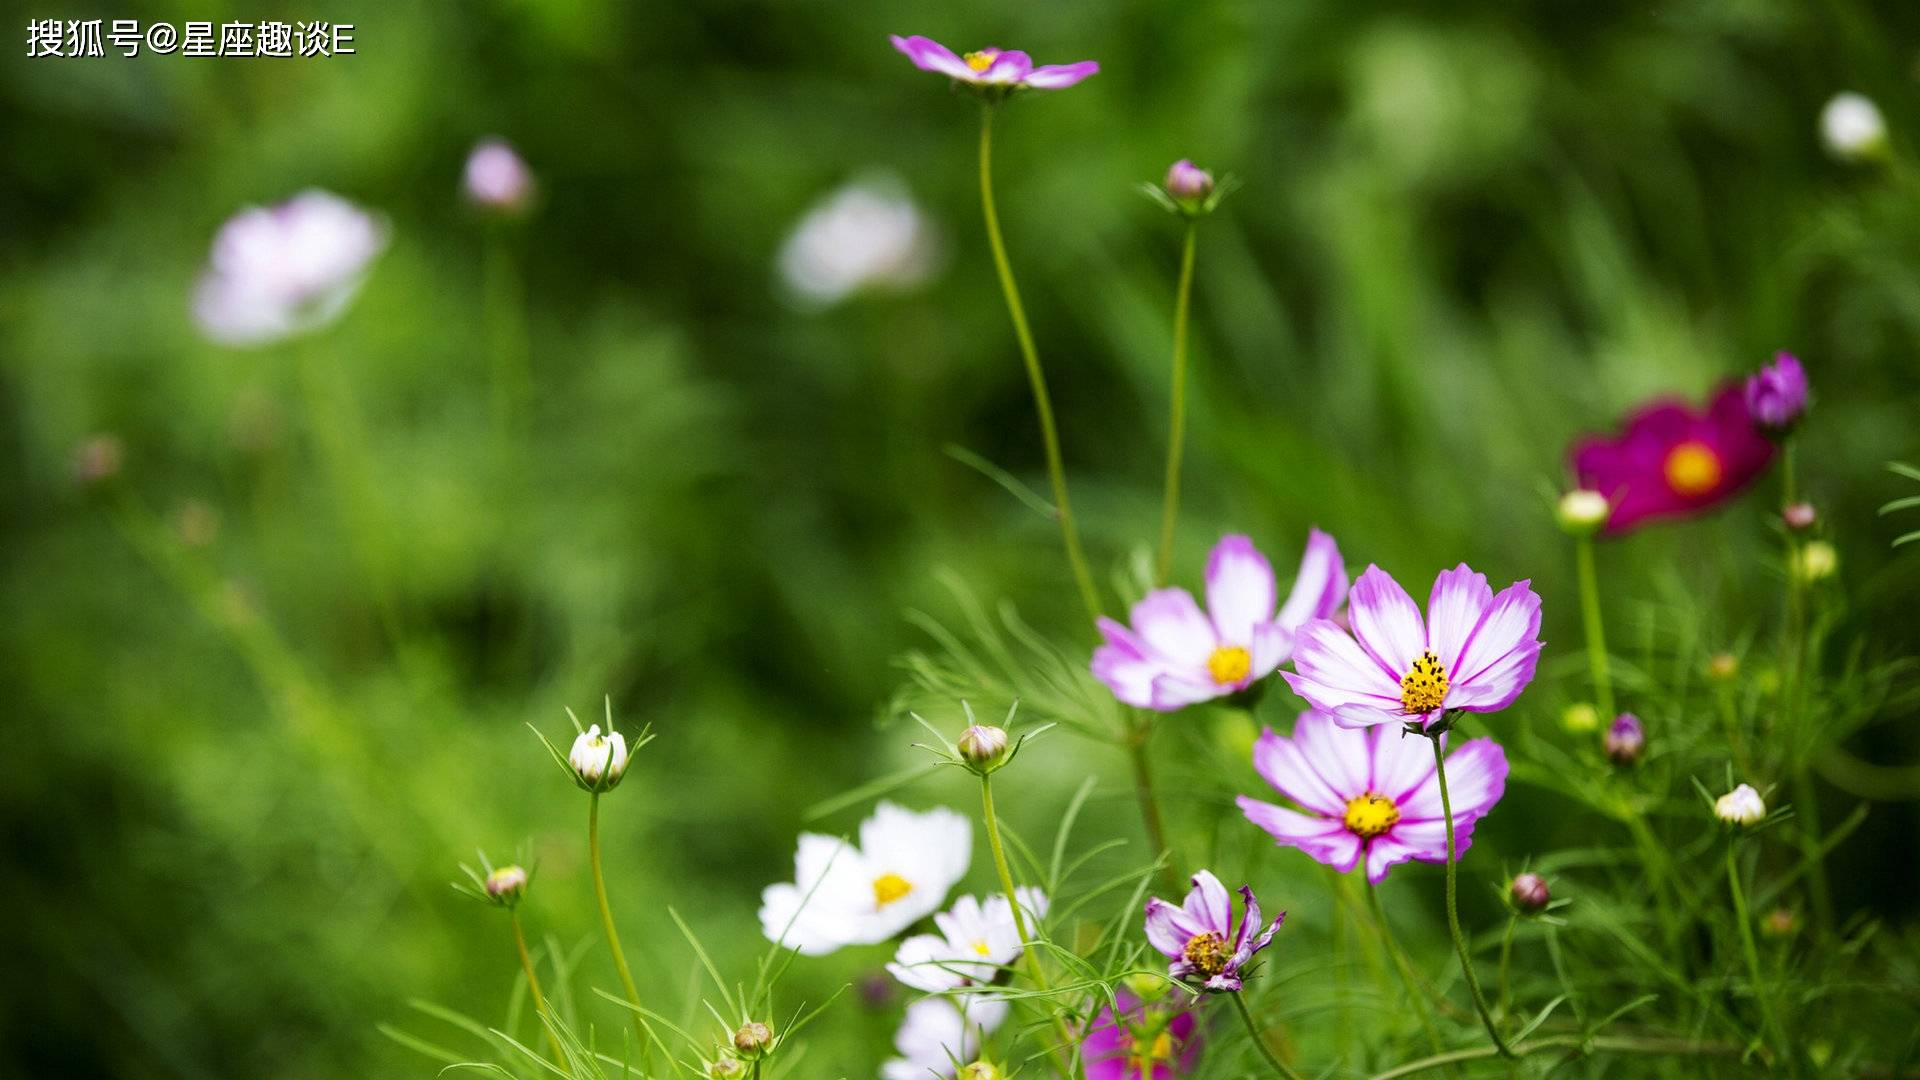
(599, 760)
(980, 1070)
(1580, 718)
(1781, 922)
(1529, 893)
(726, 1067)
(1799, 516)
(1853, 129)
(1625, 739)
(1777, 395)
(96, 459)
(507, 885)
(1581, 512)
(753, 1039)
(496, 179)
(983, 744)
(1147, 987)
(1817, 561)
(1188, 182)
(1741, 806)
(1723, 667)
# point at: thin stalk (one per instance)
(1453, 909)
(1579, 1044)
(1404, 968)
(1769, 1023)
(1143, 790)
(1506, 965)
(1177, 423)
(1253, 1032)
(1596, 629)
(1036, 379)
(1027, 952)
(1796, 662)
(606, 916)
(533, 987)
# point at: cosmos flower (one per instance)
(1142, 1042)
(846, 895)
(867, 236)
(599, 761)
(1672, 461)
(1741, 806)
(496, 179)
(996, 71)
(1475, 651)
(1371, 793)
(1175, 655)
(976, 941)
(284, 270)
(1199, 937)
(938, 1032)
(1852, 128)
(1777, 394)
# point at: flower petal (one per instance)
(1460, 598)
(1320, 586)
(1284, 763)
(1127, 665)
(1401, 763)
(1171, 624)
(1330, 670)
(1010, 66)
(929, 55)
(1169, 928)
(1476, 778)
(1175, 690)
(1386, 622)
(1325, 840)
(1240, 589)
(1208, 905)
(1060, 76)
(1336, 754)
(1498, 661)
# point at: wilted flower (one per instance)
(506, 885)
(938, 1032)
(1853, 129)
(1580, 718)
(1142, 1042)
(1816, 561)
(982, 744)
(976, 941)
(1475, 652)
(1581, 512)
(287, 269)
(1529, 893)
(846, 895)
(599, 760)
(496, 179)
(1673, 461)
(993, 73)
(1799, 516)
(867, 236)
(1625, 739)
(1777, 394)
(1175, 655)
(1741, 806)
(1199, 937)
(97, 458)
(753, 1039)
(1371, 792)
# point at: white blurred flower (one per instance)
(1741, 806)
(285, 270)
(937, 1032)
(867, 235)
(975, 942)
(496, 178)
(845, 895)
(598, 760)
(1852, 128)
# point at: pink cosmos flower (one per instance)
(1199, 938)
(1475, 651)
(991, 68)
(1777, 394)
(1672, 461)
(1371, 793)
(1143, 1042)
(1175, 655)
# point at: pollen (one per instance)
(1207, 953)
(890, 887)
(982, 948)
(1424, 688)
(982, 60)
(1370, 815)
(1693, 469)
(1229, 664)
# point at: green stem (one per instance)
(1142, 761)
(533, 987)
(1027, 951)
(1036, 379)
(606, 915)
(1579, 1044)
(1177, 424)
(1453, 910)
(1596, 629)
(1253, 1032)
(1796, 663)
(1770, 1024)
(1404, 968)
(1506, 966)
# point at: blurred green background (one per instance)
(232, 797)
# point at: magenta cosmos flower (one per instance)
(1005, 70)
(1175, 655)
(1142, 1042)
(1672, 461)
(1777, 394)
(1371, 793)
(1475, 652)
(1199, 937)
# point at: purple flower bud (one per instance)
(1799, 516)
(1777, 394)
(1187, 181)
(1529, 893)
(983, 744)
(1625, 739)
(496, 178)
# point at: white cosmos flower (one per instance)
(975, 941)
(1852, 127)
(1741, 806)
(937, 1032)
(287, 269)
(598, 759)
(866, 235)
(846, 895)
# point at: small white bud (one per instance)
(983, 744)
(1816, 562)
(1581, 512)
(1741, 806)
(1853, 129)
(599, 760)
(506, 885)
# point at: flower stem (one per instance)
(1403, 967)
(1177, 423)
(1770, 1025)
(1137, 740)
(1796, 662)
(1036, 379)
(606, 915)
(1028, 952)
(1253, 1032)
(1453, 909)
(1596, 629)
(533, 986)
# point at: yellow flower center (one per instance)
(981, 948)
(1370, 815)
(1144, 1058)
(982, 60)
(1424, 688)
(1207, 953)
(890, 887)
(1229, 664)
(1693, 469)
